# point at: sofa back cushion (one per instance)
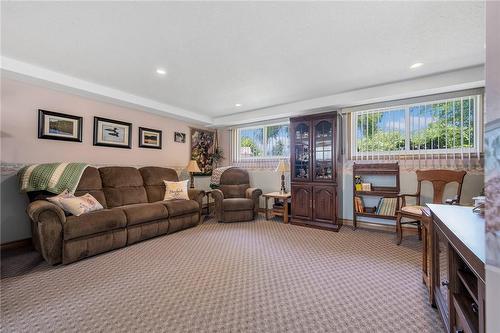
(234, 182)
(122, 186)
(153, 178)
(90, 182)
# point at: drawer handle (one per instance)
(445, 283)
(474, 307)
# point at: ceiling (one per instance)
(258, 54)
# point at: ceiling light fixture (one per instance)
(237, 105)
(161, 71)
(416, 65)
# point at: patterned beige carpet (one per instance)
(260, 276)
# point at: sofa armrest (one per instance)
(218, 197)
(254, 194)
(196, 195)
(48, 220)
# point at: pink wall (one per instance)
(20, 103)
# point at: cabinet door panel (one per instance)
(324, 203)
(300, 135)
(302, 202)
(323, 150)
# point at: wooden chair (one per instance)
(439, 179)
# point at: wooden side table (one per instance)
(278, 212)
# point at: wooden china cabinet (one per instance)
(314, 170)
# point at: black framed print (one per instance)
(149, 138)
(112, 133)
(180, 137)
(59, 126)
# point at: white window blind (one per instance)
(429, 133)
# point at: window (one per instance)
(434, 127)
(270, 141)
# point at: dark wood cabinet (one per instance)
(314, 150)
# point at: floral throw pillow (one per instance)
(176, 190)
(56, 200)
(80, 205)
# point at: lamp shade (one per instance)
(282, 166)
(193, 166)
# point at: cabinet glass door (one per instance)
(323, 151)
(301, 158)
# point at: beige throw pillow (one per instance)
(176, 190)
(80, 205)
(56, 200)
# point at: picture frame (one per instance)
(59, 126)
(179, 137)
(202, 148)
(112, 133)
(150, 138)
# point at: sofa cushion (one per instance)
(80, 205)
(122, 186)
(90, 182)
(94, 223)
(144, 212)
(153, 178)
(235, 204)
(181, 207)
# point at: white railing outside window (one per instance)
(448, 129)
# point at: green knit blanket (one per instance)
(52, 177)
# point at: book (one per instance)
(359, 205)
(387, 206)
(366, 187)
(379, 205)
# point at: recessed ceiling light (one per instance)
(237, 105)
(416, 65)
(161, 71)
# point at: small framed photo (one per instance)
(180, 137)
(59, 126)
(149, 138)
(112, 133)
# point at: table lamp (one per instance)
(283, 167)
(192, 167)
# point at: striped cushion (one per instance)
(417, 210)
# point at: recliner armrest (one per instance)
(254, 194)
(37, 208)
(196, 195)
(218, 197)
(48, 225)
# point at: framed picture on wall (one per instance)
(112, 133)
(149, 138)
(180, 137)
(59, 126)
(202, 148)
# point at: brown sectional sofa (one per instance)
(134, 210)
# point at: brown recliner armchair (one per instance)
(235, 200)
